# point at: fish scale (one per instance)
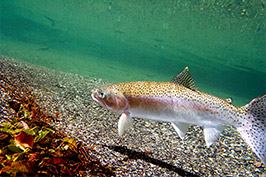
(183, 104)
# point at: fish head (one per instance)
(111, 99)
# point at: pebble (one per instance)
(237, 149)
(258, 164)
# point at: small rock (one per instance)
(258, 164)
(237, 149)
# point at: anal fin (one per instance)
(124, 123)
(180, 128)
(211, 134)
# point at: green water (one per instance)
(222, 41)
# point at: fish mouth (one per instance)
(97, 99)
(93, 95)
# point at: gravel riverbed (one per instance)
(149, 148)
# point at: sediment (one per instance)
(149, 148)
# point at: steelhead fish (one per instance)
(182, 103)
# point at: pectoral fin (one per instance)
(124, 123)
(212, 134)
(180, 128)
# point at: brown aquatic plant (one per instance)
(23, 140)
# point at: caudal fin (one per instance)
(252, 126)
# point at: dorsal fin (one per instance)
(184, 78)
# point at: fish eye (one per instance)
(102, 94)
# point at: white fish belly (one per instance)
(189, 117)
(180, 111)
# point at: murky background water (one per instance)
(222, 41)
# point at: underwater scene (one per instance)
(58, 53)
